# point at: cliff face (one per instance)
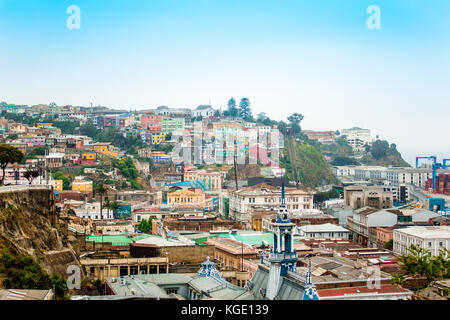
(29, 224)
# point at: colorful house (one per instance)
(169, 125)
(158, 137)
(87, 158)
(106, 148)
(57, 185)
(42, 125)
(186, 197)
(79, 184)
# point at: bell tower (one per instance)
(283, 257)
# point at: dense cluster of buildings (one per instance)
(192, 233)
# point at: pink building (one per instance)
(39, 141)
(152, 122)
(384, 234)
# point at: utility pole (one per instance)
(242, 255)
(235, 169)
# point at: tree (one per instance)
(261, 117)
(12, 137)
(58, 175)
(295, 120)
(107, 205)
(101, 190)
(232, 109)
(31, 174)
(380, 149)
(344, 161)
(88, 129)
(67, 127)
(114, 206)
(8, 155)
(22, 272)
(145, 225)
(244, 109)
(217, 113)
(419, 262)
(389, 244)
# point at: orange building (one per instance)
(106, 148)
(384, 234)
(231, 253)
(41, 125)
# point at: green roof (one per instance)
(190, 184)
(247, 237)
(117, 240)
(202, 240)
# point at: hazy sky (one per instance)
(314, 57)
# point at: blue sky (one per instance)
(313, 57)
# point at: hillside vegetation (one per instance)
(382, 153)
(306, 163)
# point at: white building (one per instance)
(262, 195)
(397, 175)
(322, 231)
(431, 238)
(370, 172)
(92, 211)
(367, 218)
(415, 176)
(358, 138)
(203, 111)
(343, 171)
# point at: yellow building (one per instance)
(58, 185)
(106, 148)
(101, 147)
(158, 137)
(88, 156)
(41, 125)
(183, 197)
(79, 184)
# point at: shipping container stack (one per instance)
(442, 184)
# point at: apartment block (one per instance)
(373, 196)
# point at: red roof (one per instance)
(385, 288)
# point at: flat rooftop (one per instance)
(441, 232)
(326, 227)
(117, 240)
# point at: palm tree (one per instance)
(114, 206)
(107, 206)
(102, 190)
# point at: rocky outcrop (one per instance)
(29, 224)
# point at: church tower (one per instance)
(310, 292)
(283, 257)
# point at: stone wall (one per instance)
(188, 254)
(29, 224)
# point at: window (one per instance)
(172, 290)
